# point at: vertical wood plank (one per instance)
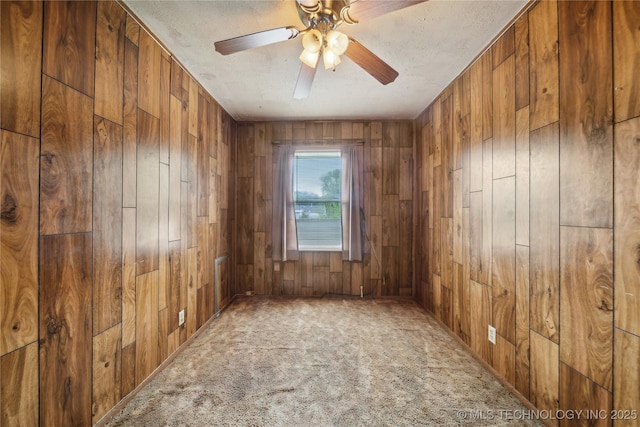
(107, 357)
(522, 61)
(586, 302)
(406, 174)
(128, 368)
(504, 119)
(522, 176)
(543, 57)
(21, 66)
(149, 63)
(165, 110)
(487, 96)
(130, 119)
(132, 30)
(19, 389)
(480, 308)
(191, 303)
(175, 165)
(66, 159)
(503, 258)
(65, 329)
(18, 240)
(475, 152)
(578, 393)
(457, 216)
(504, 356)
(626, 393)
(544, 373)
(109, 67)
(128, 276)
(627, 226)
(107, 224)
(148, 171)
(503, 47)
(146, 325)
(390, 220)
(626, 53)
(163, 236)
(522, 380)
(487, 212)
(69, 44)
(586, 105)
(544, 217)
(202, 170)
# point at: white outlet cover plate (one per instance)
(492, 334)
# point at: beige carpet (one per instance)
(322, 362)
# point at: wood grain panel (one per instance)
(457, 216)
(436, 128)
(504, 47)
(132, 30)
(146, 325)
(164, 108)
(390, 171)
(522, 176)
(128, 276)
(375, 193)
(128, 368)
(543, 57)
(504, 356)
(627, 226)
(175, 165)
(446, 252)
(65, 329)
(149, 62)
(578, 393)
(69, 43)
(202, 167)
(437, 296)
(626, 393)
(487, 96)
(192, 291)
(480, 308)
(18, 240)
(390, 220)
(487, 213)
(130, 119)
(447, 159)
(107, 224)
(504, 119)
(522, 380)
(245, 222)
(626, 56)
(148, 177)
(544, 217)
(259, 203)
(176, 80)
(406, 174)
(405, 250)
(586, 130)
(66, 159)
(20, 65)
(447, 307)
(586, 301)
(475, 152)
(503, 258)
(521, 28)
(544, 373)
(173, 299)
(475, 236)
(107, 359)
(19, 387)
(109, 67)
(163, 236)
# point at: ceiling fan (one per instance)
(320, 37)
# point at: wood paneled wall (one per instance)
(522, 162)
(115, 182)
(388, 205)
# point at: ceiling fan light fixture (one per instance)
(309, 58)
(337, 42)
(330, 58)
(312, 41)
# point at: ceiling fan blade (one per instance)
(361, 10)
(305, 80)
(373, 65)
(261, 38)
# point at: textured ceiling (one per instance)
(429, 44)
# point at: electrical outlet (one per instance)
(181, 318)
(276, 266)
(492, 334)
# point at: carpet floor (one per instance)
(323, 362)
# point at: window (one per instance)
(316, 196)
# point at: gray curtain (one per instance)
(352, 240)
(285, 237)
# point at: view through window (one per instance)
(316, 192)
